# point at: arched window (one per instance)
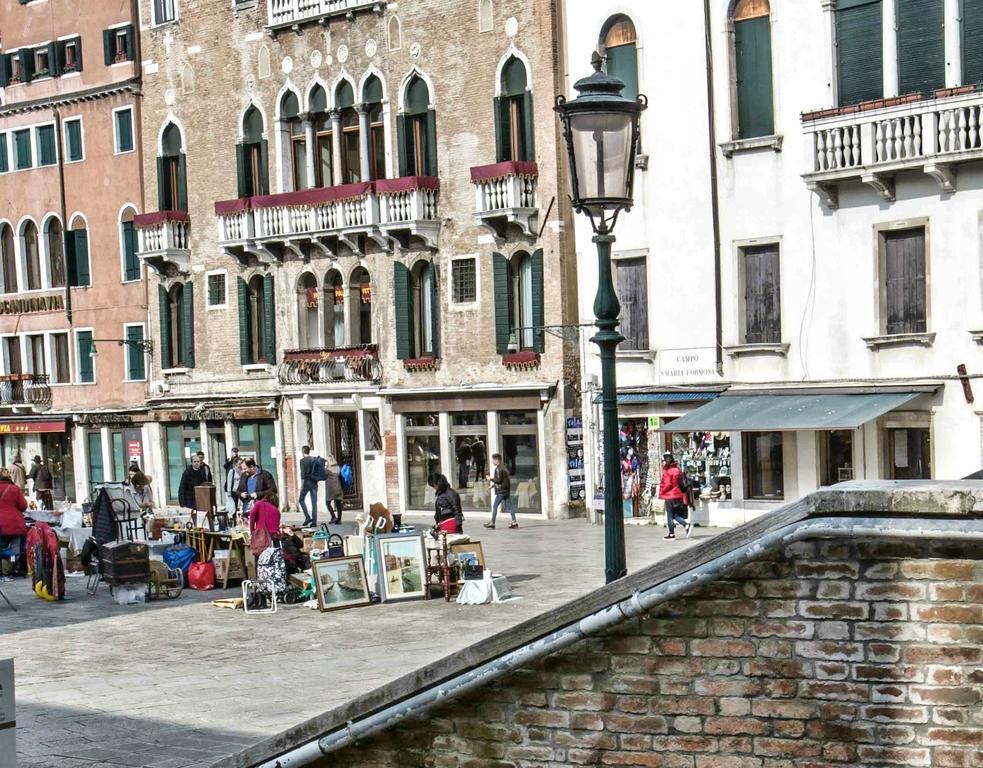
(55, 252)
(752, 68)
(177, 341)
(486, 21)
(350, 154)
(361, 306)
(324, 151)
(8, 257)
(308, 299)
(417, 310)
(372, 101)
(251, 157)
(519, 301)
(32, 258)
(395, 34)
(128, 238)
(619, 48)
(416, 131)
(172, 185)
(257, 321)
(77, 257)
(296, 137)
(334, 314)
(513, 113)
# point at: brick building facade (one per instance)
(70, 178)
(353, 242)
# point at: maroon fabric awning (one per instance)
(232, 206)
(144, 220)
(46, 425)
(406, 184)
(315, 196)
(502, 170)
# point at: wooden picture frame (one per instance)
(340, 582)
(401, 559)
(465, 548)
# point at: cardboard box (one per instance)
(226, 564)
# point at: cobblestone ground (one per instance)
(179, 683)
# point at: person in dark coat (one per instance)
(447, 504)
(256, 482)
(334, 492)
(196, 474)
(41, 476)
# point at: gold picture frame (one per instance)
(469, 547)
(340, 582)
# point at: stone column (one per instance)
(336, 146)
(364, 148)
(890, 54)
(953, 45)
(310, 140)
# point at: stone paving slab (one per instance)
(176, 684)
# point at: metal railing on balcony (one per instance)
(289, 12)
(358, 364)
(164, 239)
(505, 193)
(26, 390)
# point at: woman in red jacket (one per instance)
(12, 507)
(674, 496)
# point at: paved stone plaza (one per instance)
(180, 683)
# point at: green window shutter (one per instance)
(269, 321)
(430, 143)
(73, 130)
(921, 46)
(164, 306)
(80, 258)
(78, 53)
(264, 167)
(4, 70)
(503, 129)
(752, 46)
(131, 262)
(245, 325)
(86, 372)
(859, 47)
(972, 43)
(402, 295)
(54, 67)
(97, 468)
(46, 145)
(27, 64)
(188, 321)
(130, 43)
(4, 165)
(182, 183)
(622, 63)
(22, 150)
(528, 129)
(163, 185)
(107, 46)
(503, 302)
(404, 144)
(538, 308)
(435, 309)
(124, 130)
(242, 174)
(136, 368)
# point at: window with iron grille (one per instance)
(464, 281)
(216, 289)
(373, 431)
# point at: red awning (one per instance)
(406, 184)
(502, 170)
(145, 220)
(20, 427)
(314, 196)
(232, 206)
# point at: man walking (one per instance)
(501, 484)
(308, 486)
(41, 476)
(671, 491)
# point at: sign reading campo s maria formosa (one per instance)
(32, 304)
(693, 365)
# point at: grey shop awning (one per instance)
(787, 413)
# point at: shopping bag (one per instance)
(201, 576)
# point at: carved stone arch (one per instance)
(316, 82)
(342, 77)
(394, 33)
(372, 71)
(288, 87)
(252, 104)
(263, 68)
(416, 71)
(171, 120)
(75, 219)
(510, 53)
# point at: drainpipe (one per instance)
(714, 197)
(642, 601)
(64, 212)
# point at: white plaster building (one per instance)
(849, 238)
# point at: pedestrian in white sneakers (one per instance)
(674, 491)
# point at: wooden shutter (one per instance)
(404, 145)
(243, 176)
(108, 54)
(245, 325)
(182, 183)
(188, 323)
(131, 261)
(503, 129)
(269, 320)
(163, 185)
(622, 63)
(528, 129)
(435, 309)
(4, 70)
(762, 295)
(538, 307)
(78, 52)
(26, 64)
(859, 51)
(972, 42)
(74, 130)
(54, 67)
(4, 166)
(402, 287)
(135, 363)
(130, 46)
(164, 308)
(921, 46)
(430, 145)
(632, 287)
(86, 372)
(752, 43)
(83, 276)
(503, 302)
(264, 168)
(905, 299)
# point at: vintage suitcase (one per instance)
(125, 562)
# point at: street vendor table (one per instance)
(234, 541)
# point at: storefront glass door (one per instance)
(836, 456)
(182, 443)
(257, 439)
(344, 443)
(520, 453)
(910, 453)
(56, 448)
(422, 452)
(469, 441)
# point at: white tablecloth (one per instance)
(491, 589)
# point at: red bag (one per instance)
(201, 576)
(448, 526)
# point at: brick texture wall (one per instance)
(830, 654)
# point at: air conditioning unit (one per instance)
(161, 387)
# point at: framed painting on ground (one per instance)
(402, 563)
(466, 550)
(340, 583)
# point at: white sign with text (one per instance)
(692, 365)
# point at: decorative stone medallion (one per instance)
(287, 65)
(371, 47)
(511, 26)
(415, 51)
(316, 59)
(342, 53)
(170, 97)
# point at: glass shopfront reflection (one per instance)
(469, 438)
(422, 451)
(520, 453)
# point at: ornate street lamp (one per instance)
(600, 128)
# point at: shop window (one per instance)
(416, 131)
(217, 283)
(631, 281)
(464, 280)
(859, 51)
(921, 46)
(334, 310)
(257, 440)
(23, 155)
(361, 306)
(514, 132)
(172, 187)
(61, 372)
(308, 302)
(469, 438)
(619, 44)
(32, 257)
(180, 444)
(47, 152)
(123, 129)
(177, 342)
(752, 59)
(136, 357)
(909, 453)
(257, 321)
(373, 431)
(350, 148)
(296, 137)
(519, 302)
(129, 240)
(164, 11)
(762, 295)
(763, 466)
(836, 456)
(55, 252)
(422, 452)
(903, 290)
(86, 363)
(251, 156)
(372, 99)
(8, 259)
(97, 471)
(74, 150)
(77, 255)
(520, 453)
(417, 311)
(972, 41)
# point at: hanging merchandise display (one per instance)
(639, 449)
(705, 457)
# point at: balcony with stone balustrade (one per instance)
(164, 241)
(293, 13)
(874, 141)
(505, 195)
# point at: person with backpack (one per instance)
(674, 491)
(334, 491)
(308, 485)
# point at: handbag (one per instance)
(336, 546)
(259, 540)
